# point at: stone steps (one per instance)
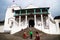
(18, 35)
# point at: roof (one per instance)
(34, 8)
(30, 6)
(57, 17)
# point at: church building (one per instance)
(18, 18)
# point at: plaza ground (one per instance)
(18, 35)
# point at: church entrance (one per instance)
(31, 23)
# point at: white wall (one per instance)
(1, 28)
(9, 14)
(9, 17)
(57, 24)
(17, 28)
(51, 29)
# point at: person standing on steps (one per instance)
(25, 35)
(31, 34)
(37, 37)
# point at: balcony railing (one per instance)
(29, 13)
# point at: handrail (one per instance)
(16, 23)
(52, 21)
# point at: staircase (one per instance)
(27, 30)
(18, 35)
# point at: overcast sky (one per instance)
(53, 4)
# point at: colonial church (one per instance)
(18, 18)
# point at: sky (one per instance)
(53, 4)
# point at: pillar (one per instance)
(42, 20)
(26, 18)
(57, 27)
(35, 16)
(35, 19)
(20, 19)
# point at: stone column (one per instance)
(19, 21)
(42, 20)
(57, 27)
(26, 18)
(35, 16)
(35, 20)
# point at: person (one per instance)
(37, 37)
(25, 35)
(31, 34)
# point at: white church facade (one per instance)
(17, 19)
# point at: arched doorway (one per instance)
(31, 23)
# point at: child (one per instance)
(25, 35)
(31, 33)
(37, 36)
